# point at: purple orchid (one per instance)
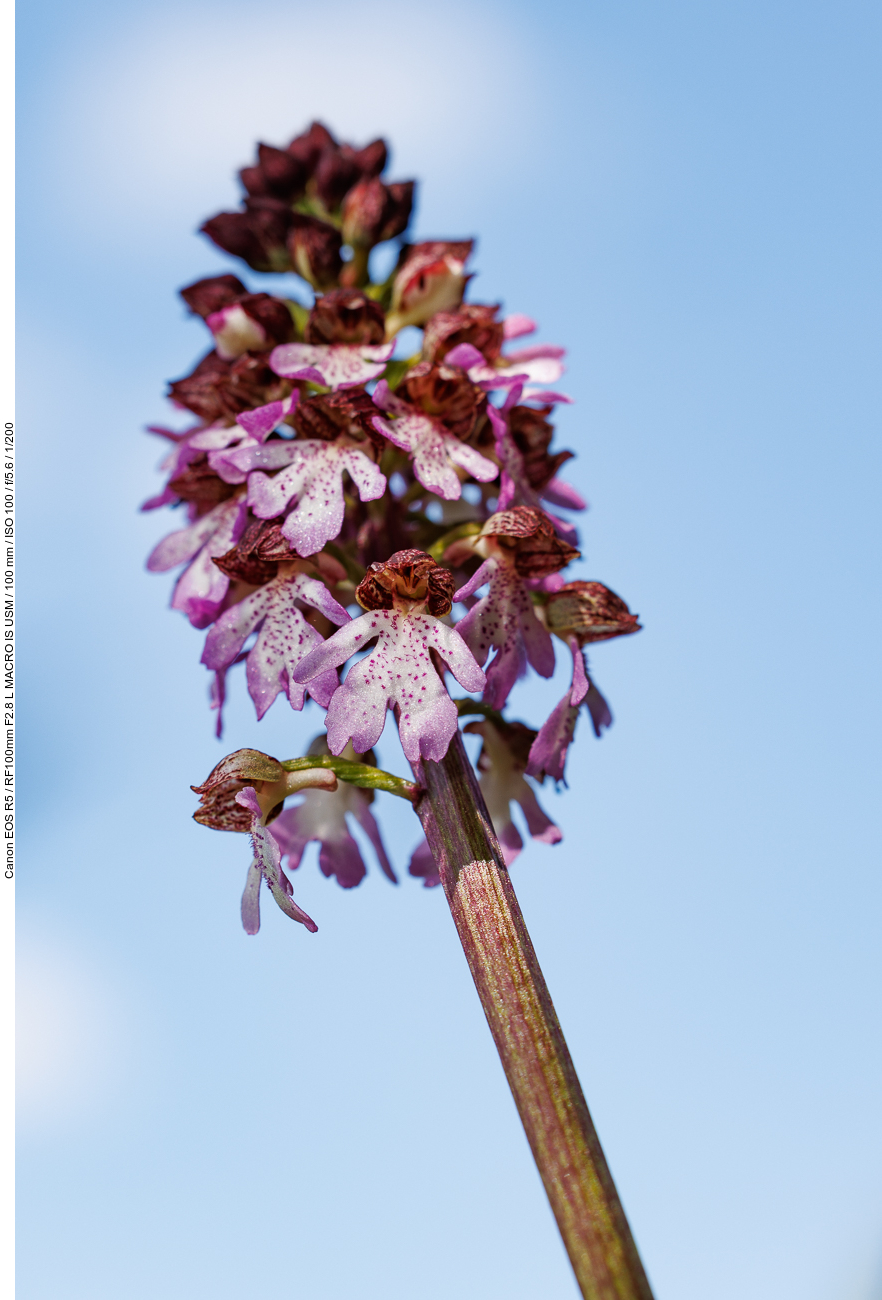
(334, 365)
(537, 365)
(432, 279)
(502, 763)
(436, 452)
(267, 865)
(235, 332)
(244, 792)
(579, 613)
(202, 587)
(311, 475)
(520, 545)
(399, 672)
(548, 753)
(322, 816)
(515, 487)
(284, 638)
(318, 467)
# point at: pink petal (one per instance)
(562, 494)
(260, 422)
(514, 326)
(466, 356)
(337, 365)
(268, 857)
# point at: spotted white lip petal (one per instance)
(336, 365)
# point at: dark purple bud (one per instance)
(335, 174)
(345, 316)
(407, 579)
(257, 235)
(256, 556)
(528, 539)
(314, 249)
(473, 323)
(308, 148)
(373, 211)
(200, 486)
(589, 611)
(278, 174)
(532, 435)
(207, 296)
(328, 415)
(371, 160)
(221, 390)
(446, 393)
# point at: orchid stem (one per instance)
(526, 1031)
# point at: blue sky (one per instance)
(686, 195)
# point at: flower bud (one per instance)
(527, 538)
(256, 556)
(336, 172)
(207, 296)
(314, 248)
(200, 486)
(407, 578)
(371, 160)
(278, 174)
(532, 435)
(307, 148)
(256, 322)
(590, 612)
(373, 211)
(217, 794)
(345, 316)
(430, 279)
(221, 390)
(327, 415)
(445, 392)
(472, 323)
(258, 235)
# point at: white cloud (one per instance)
(70, 1037)
(155, 118)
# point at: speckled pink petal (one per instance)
(337, 365)
(399, 671)
(232, 629)
(458, 657)
(313, 477)
(581, 680)
(268, 857)
(548, 752)
(184, 544)
(260, 422)
(505, 620)
(339, 647)
(201, 588)
(250, 906)
(285, 638)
